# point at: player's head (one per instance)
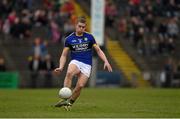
(80, 25)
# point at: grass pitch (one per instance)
(97, 102)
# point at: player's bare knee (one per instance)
(80, 86)
(69, 74)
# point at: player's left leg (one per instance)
(72, 71)
(82, 80)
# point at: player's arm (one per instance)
(62, 60)
(103, 57)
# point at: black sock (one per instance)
(71, 101)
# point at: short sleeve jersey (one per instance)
(81, 47)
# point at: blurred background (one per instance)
(139, 37)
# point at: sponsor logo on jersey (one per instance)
(74, 41)
(86, 39)
(80, 40)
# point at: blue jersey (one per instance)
(81, 47)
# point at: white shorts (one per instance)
(84, 68)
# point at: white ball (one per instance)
(65, 92)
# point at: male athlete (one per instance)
(80, 43)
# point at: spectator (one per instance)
(149, 23)
(154, 46)
(162, 46)
(137, 32)
(170, 46)
(132, 8)
(122, 25)
(26, 27)
(177, 71)
(136, 2)
(158, 8)
(55, 31)
(44, 49)
(2, 65)
(35, 65)
(12, 17)
(17, 29)
(6, 27)
(68, 7)
(162, 30)
(172, 28)
(111, 13)
(169, 71)
(39, 48)
(142, 12)
(40, 18)
(5, 8)
(171, 8)
(178, 66)
(47, 68)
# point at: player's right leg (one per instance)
(82, 80)
(63, 102)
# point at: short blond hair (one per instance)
(81, 19)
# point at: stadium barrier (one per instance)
(9, 80)
(105, 78)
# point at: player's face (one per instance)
(80, 28)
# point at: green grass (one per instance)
(96, 102)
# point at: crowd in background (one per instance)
(19, 18)
(151, 26)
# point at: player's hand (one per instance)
(58, 70)
(108, 66)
